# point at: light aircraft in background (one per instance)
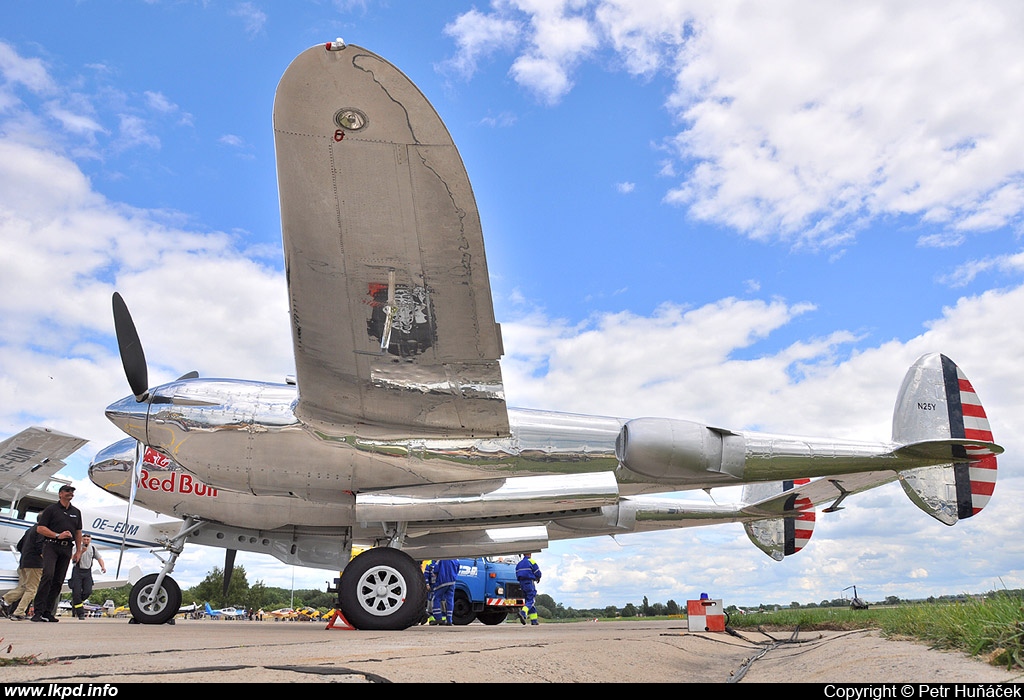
(395, 436)
(30, 462)
(119, 611)
(307, 613)
(29, 482)
(223, 613)
(91, 609)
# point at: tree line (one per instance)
(241, 594)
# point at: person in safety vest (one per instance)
(528, 574)
(428, 579)
(81, 576)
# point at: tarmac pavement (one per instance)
(105, 650)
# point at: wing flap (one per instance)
(477, 543)
(493, 500)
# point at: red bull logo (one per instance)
(170, 478)
(157, 459)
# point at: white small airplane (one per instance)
(30, 463)
(91, 609)
(224, 613)
(29, 482)
(395, 436)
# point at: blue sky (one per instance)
(751, 215)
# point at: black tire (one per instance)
(492, 617)
(162, 605)
(462, 609)
(382, 589)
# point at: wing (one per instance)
(391, 313)
(31, 457)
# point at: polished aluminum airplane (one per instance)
(394, 434)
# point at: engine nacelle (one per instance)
(675, 451)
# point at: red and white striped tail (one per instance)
(785, 536)
(980, 470)
(939, 409)
(802, 526)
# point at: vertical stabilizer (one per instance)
(937, 408)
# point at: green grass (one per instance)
(992, 629)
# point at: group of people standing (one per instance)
(440, 577)
(48, 548)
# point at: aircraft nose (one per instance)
(130, 416)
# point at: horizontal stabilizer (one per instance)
(781, 537)
(953, 449)
(951, 492)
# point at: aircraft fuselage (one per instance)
(244, 436)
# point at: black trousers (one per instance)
(56, 558)
(81, 587)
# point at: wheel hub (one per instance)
(382, 590)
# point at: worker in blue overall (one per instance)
(446, 571)
(528, 574)
(428, 579)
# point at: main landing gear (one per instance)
(382, 589)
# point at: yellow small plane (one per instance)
(284, 614)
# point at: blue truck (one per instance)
(486, 590)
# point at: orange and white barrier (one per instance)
(705, 616)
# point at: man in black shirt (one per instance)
(60, 524)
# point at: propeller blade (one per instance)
(136, 474)
(132, 356)
(229, 567)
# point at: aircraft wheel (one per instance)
(492, 617)
(462, 609)
(151, 606)
(382, 589)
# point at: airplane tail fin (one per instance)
(938, 414)
(780, 537)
